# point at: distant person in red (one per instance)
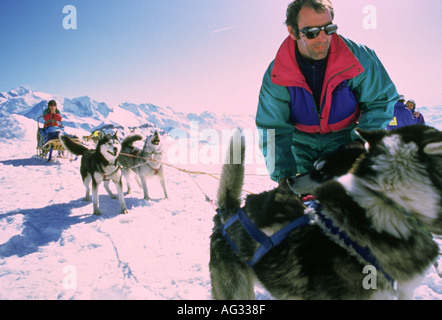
(52, 116)
(53, 126)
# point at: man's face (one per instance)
(317, 48)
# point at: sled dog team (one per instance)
(377, 206)
(112, 159)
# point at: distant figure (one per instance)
(52, 116)
(53, 122)
(412, 106)
(402, 116)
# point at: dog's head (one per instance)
(153, 142)
(330, 165)
(109, 146)
(405, 166)
(155, 139)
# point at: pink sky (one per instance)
(199, 55)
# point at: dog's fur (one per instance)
(328, 166)
(389, 202)
(146, 163)
(99, 165)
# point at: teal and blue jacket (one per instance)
(357, 92)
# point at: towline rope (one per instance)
(189, 172)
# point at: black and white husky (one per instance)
(146, 162)
(99, 165)
(328, 166)
(368, 234)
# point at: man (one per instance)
(320, 87)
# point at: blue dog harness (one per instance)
(363, 252)
(267, 243)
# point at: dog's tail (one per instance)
(232, 176)
(72, 146)
(129, 140)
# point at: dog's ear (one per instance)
(433, 148)
(101, 135)
(431, 142)
(371, 136)
(433, 145)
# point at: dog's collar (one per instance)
(106, 176)
(156, 170)
(343, 239)
(151, 154)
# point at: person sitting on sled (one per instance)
(52, 115)
(53, 122)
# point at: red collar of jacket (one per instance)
(342, 65)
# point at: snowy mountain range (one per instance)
(88, 114)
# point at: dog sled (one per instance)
(48, 141)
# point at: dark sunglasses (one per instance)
(313, 32)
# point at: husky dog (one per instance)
(328, 166)
(146, 163)
(99, 165)
(367, 230)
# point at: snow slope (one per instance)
(52, 247)
(49, 239)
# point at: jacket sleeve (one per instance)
(58, 117)
(273, 116)
(46, 115)
(375, 91)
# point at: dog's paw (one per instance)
(87, 199)
(124, 211)
(97, 213)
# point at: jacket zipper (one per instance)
(325, 94)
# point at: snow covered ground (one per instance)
(52, 247)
